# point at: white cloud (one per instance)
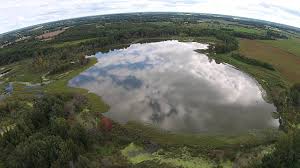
(16, 14)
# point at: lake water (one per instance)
(170, 85)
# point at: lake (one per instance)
(175, 88)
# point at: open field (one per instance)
(70, 43)
(286, 63)
(245, 29)
(291, 45)
(51, 35)
(21, 72)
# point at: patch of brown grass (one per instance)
(51, 35)
(287, 64)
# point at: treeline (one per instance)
(56, 61)
(272, 35)
(269, 35)
(120, 29)
(19, 51)
(101, 35)
(288, 106)
(287, 150)
(125, 33)
(252, 61)
(108, 35)
(229, 43)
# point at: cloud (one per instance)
(16, 14)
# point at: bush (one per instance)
(286, 154)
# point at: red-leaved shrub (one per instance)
(106, 124)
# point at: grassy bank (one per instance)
(271, 81)
(204, 141)
(61, 86)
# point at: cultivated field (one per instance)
(285, 62)
(291, 45)
(51, 35)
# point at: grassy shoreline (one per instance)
(270, 81)
(61, 86)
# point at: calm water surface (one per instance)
(175, 88)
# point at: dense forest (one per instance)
(43, 136)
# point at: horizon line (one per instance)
(223, 15)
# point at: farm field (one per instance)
(283, 61)
(291, 45)
(50, 35)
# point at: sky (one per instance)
(15, 14)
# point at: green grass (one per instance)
(243, 29)
(237, 28)
(70, 43)
(203, 141)
(22, 72)
(106, 150)
(2, 87)
(136, 154)
(179, 38)
(271, 81)
(291, 45)
(20, 91)
(199, 150)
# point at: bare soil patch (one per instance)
(51, 35)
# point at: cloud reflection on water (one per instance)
(170, 85)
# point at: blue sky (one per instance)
(16, 14)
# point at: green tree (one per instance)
(60, 127)
(79, 135)
(286, 153)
